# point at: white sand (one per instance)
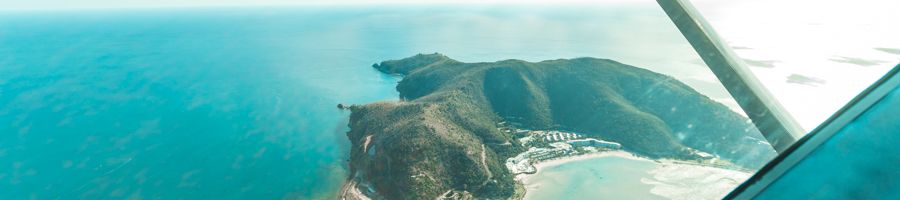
(675, 180)
(531, 185)
(563, 160)
(351, 192)
(671, 179)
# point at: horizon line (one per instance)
(351, 3)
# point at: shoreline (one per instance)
(567, 159)
(667, 179)
(530, 186)
(672, 179)
(523, 180)
(350, 191)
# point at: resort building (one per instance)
(591, 142)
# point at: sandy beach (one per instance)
(531, 183)
(563, 160)
(559, 161)
(350, 191)
(678, 180)
(669, 179)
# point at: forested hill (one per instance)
(433, 140)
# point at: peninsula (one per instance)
(461, 130)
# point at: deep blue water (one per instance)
(232, 103)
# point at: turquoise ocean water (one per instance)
(239, 103)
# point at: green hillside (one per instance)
(433, 140)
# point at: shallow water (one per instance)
(610, 177)
(240, 103)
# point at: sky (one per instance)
(814, 56)
(93, 4)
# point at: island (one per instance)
(464, 130)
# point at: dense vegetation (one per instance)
(432, 141)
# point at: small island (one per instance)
(465, 130)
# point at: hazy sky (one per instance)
(51, 4)
(70, 4)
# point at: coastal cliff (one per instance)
(442, 138)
